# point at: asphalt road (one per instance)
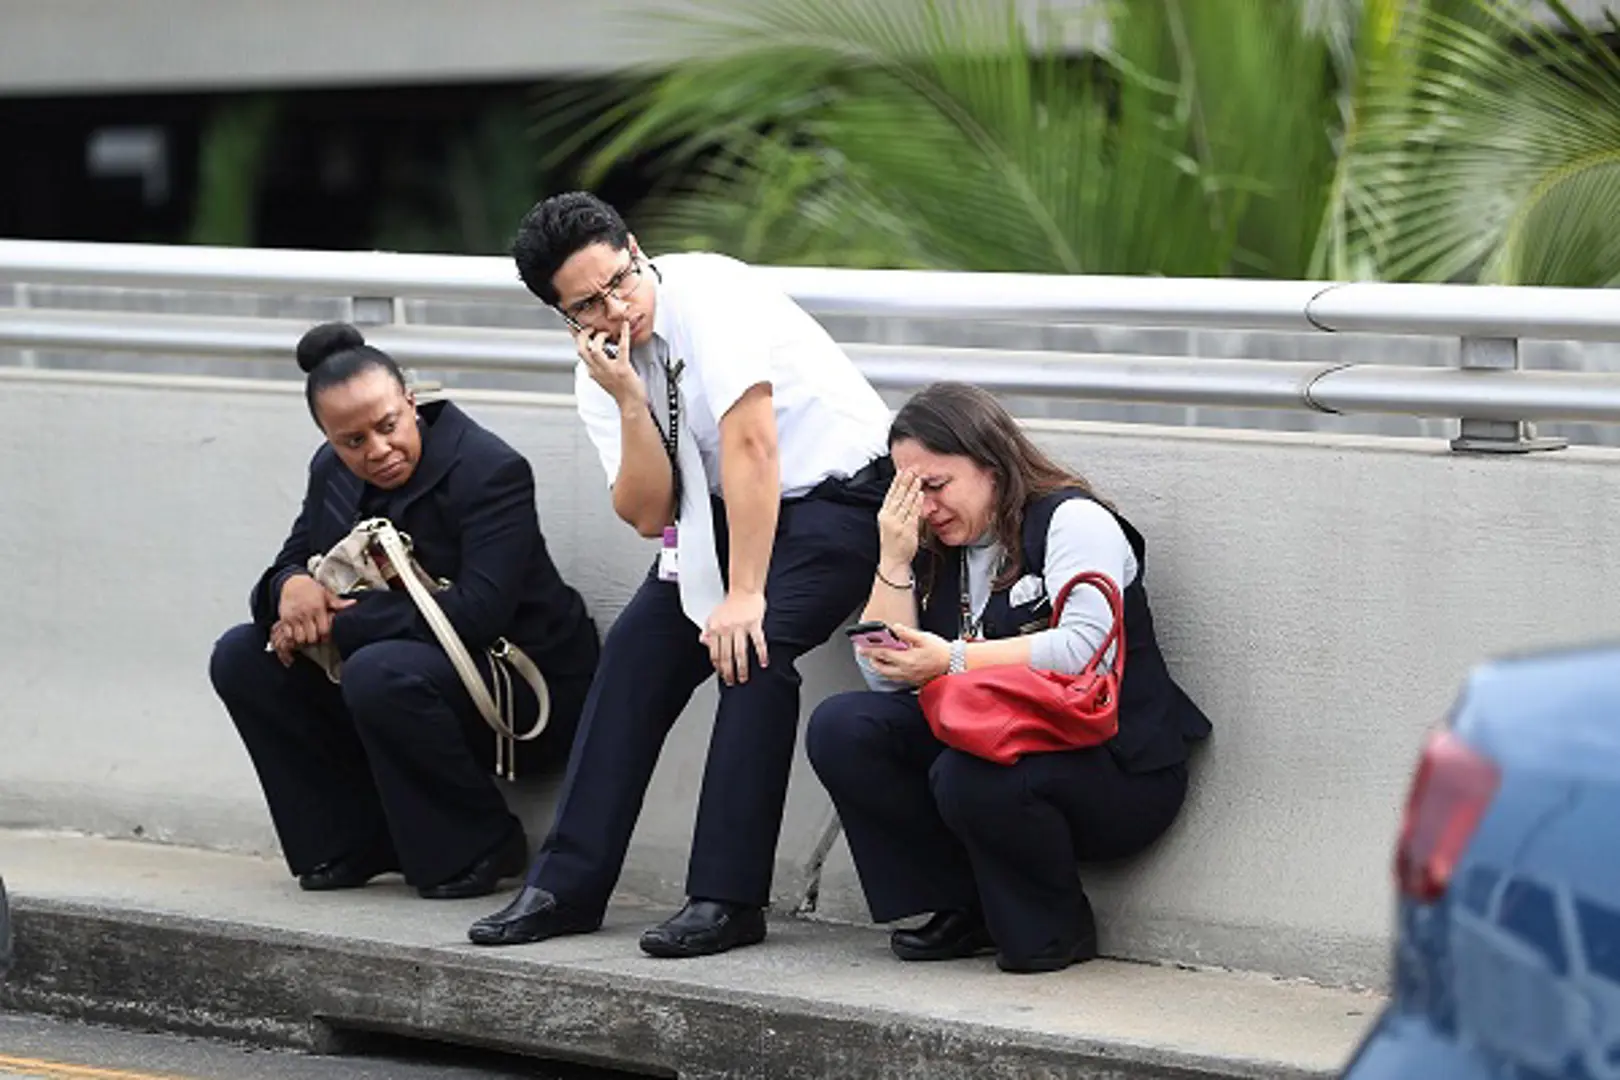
(55, 1050)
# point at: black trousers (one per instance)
(821, 569)
(395, 763)
(934, 829)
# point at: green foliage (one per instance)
(1501, 160)
(1428, 139)
(944, 133)
(230, 169)
(470, 203)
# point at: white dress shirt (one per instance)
(724, 330)
(733, 330)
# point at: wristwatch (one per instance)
(958, 658)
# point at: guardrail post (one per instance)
(1497, 436)
(374, 310)
(22, 298)
(389, 311)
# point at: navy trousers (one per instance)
(395, 763)
(934, 829)
(821, 570)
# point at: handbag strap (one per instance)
(498, 717)
(1116, 631)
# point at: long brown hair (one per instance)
(960, 420)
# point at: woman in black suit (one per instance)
(979, 532)
(389, 770)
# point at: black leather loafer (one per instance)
(1041, 963)
(1083, 948)
(349, 872)
(703, 928)
(533, 915)
(506, 860)
(948, 935)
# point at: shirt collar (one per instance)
(662, 319)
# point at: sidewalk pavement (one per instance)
(178, 939)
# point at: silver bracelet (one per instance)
(958, 658)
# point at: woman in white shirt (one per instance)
(980, 529)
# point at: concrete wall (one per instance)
(1321, 596)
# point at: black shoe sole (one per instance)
(1042, 965)
(665, 949)
(508, 936)
(517, 861)
(913, 954)
(460, 892)
(342, 884)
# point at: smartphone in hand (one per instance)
(611, 348)
(874, 635)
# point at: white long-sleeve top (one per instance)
(1082, 535)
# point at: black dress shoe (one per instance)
(349, 872)
(533, 915)
(1078, 951)
(507, 859)
(703, 928)
(948, 935)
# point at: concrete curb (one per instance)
(264, 985)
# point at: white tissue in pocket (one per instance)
(1026, 589)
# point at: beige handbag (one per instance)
(368, 558)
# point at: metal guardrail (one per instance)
(1495, 400)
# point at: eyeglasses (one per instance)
(621, 286)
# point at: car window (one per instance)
(1529, 913)
(1475, 894)
(1600, 933)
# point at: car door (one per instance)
(1515, 996)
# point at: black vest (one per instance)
(1156, 718)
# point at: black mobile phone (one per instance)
(609, 347)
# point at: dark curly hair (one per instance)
(558, 227)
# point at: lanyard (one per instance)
(672, 437)
(972, 628)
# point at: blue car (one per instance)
(1507, 953)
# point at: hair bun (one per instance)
(322, 341)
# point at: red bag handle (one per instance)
(1116, 633)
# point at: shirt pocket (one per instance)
(1027, 591)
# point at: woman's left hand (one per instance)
(928, 658)
(283, 642)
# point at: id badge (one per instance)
(668, 556)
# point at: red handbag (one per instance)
(1004, 712)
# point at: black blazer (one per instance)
(469, 509)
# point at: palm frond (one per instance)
(951, 133)
(1502, 163)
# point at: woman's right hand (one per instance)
(307, 608)
(900, 522)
